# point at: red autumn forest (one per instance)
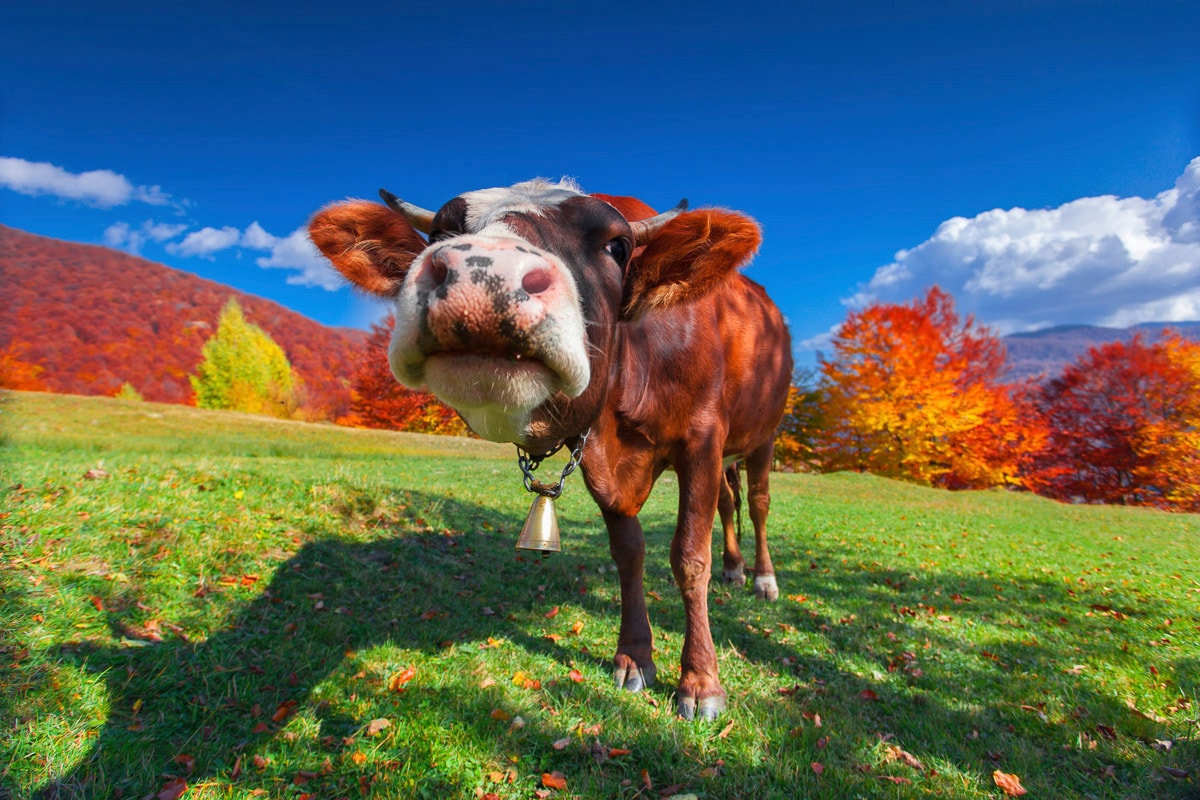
(83, 319)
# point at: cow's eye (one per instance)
(619, 250)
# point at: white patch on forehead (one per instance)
(485, 206)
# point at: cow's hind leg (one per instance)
(633, 665)
(734, 566)
(758, 475)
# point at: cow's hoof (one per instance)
(765, 587)
(631, 677)
(705, 709)
(737, 575)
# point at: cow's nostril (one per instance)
(536, 281)
(437, 270)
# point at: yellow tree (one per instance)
(914, 392)
(1170, 442)
(243, 369)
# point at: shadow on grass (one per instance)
(225, 699)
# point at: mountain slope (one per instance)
(1047, 351)
(94, 318)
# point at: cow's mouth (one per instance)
(469, 380)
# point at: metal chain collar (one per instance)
(529, 464)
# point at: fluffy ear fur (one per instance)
(371, 245)
(687, 258)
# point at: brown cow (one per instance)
(539, 313)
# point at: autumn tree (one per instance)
(377, 400)
(1124, 426)
(913, 392)
(18, 373)
(795, 442)
(243, 369)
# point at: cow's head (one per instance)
(508, 312)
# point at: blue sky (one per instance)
(1034, 158)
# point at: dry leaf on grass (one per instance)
(1009, 784)
(377, 725)
(554, 780)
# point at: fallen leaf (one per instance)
(259, 762)
(186, 761)
(725, 731)
(397, 681)
(1176, 773)
(894, 753)
(894, 779)
(868, 695)
(496, 776)
(618, 751)
(577, 627)
(172, 789)
(552, 613)
(818, 767)
(358, 757)
(98, 603)
(554, 780)
(1009, 784)
(575, 675)
(554, 637)
(95, 475)
(261, 727)
(500, 714)
(285, 708)
(486, 682)
(562, 744)
(377, 725)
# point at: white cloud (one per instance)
(256, 238)
(100, 187)
(122, 236)
(206, 241)
(1100, 260)
(297, 252)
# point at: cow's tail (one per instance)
(734, 478)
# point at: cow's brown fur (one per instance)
(694, 370)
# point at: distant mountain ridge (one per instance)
(1046, 352)
(95, 318)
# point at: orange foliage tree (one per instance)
(795, 442)
(16, 372)
(914, 392)
(378, 401)
(1124, 422)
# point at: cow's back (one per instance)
(721, 364)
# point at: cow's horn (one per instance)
(418, 217)
(644, 229)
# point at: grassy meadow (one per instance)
(216, 605)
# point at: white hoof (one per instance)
(765, 587)
(737, 575)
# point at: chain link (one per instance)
(529, 465)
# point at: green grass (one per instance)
(237, 602)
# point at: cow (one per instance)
(544, 316)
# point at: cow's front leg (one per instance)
(700, 693)
(633, 665)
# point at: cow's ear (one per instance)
(687, 258)
(371, 245)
